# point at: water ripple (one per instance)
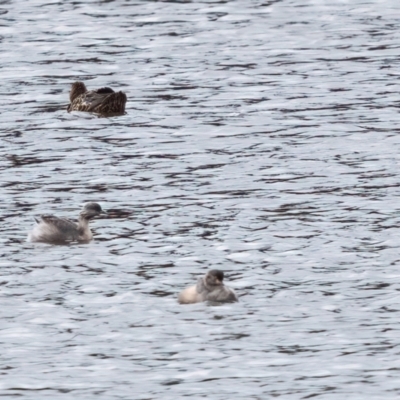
(261, 139)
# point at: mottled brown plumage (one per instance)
(103, 101)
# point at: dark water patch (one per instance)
(260, 138)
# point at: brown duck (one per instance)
(102, 101)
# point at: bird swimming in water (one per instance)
(208, 288)
(103, 101)
(55, 230)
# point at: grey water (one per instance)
(261, 138)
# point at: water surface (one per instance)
(261, 138)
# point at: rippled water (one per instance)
(261, 138)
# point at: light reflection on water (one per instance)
(260, 139)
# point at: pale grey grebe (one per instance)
(103, 101)
(55, 230)
(208, 288)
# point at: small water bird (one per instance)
(103, 101)
(55, 230)
(208, 288)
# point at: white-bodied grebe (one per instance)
(208, 288)
(51, 229)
